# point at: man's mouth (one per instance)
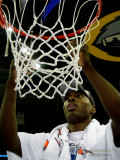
(71, 106)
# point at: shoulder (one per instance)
(37, 137)
(95, 124)
(103, 131)
(31, 145)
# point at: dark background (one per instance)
(42, 115)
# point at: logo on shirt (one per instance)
(76, 149)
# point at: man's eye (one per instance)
(66, 97)
(79, 95)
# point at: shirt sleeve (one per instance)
(114, 151)
(31, 145)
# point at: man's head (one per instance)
(78, 105)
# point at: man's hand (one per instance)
(84, 55)
(13, 72)
(84, 60)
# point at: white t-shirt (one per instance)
(75, 137)
(32, 145)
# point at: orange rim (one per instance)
(4, 25)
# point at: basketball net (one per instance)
(44, 63)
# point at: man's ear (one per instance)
(93, 110)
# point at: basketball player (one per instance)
(81, 137)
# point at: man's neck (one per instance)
(75, 127)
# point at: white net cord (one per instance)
(44, 64)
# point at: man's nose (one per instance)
(71, 99)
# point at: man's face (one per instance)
(77, 107)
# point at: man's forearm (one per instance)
(8, 124)
(108, 95)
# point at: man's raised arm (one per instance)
(109, 96)
(8, 124)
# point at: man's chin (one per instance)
(73, 118)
